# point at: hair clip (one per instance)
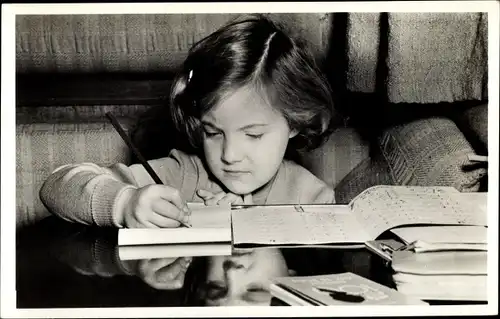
(190, 75)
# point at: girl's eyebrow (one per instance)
(210, 124)
(246, 127)
(252, 126)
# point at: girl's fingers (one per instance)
(163, 222)
(215, 199)
(173, 196)
(164, 273)
(169, 211)
(170, 276)
(205, 194)
(179, 280)
(231, 198)
(149, 266)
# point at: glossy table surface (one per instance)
(63, 265)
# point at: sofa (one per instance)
(411, 89)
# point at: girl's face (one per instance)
(244, 141)
(240, 280)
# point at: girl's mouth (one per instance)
(235, 173)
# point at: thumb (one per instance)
(247, 199)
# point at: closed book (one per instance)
(440, 262)
(337, 289)
(209, 224)
(443, 287)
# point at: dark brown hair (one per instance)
(253, 51)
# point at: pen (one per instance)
(136, 152)
(246, 206)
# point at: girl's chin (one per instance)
(239, 188)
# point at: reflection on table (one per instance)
(67, 265)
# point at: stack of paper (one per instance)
(442, 263)
(441, 275)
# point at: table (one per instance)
(65, 265)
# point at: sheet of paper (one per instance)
(271, 225)
(381, 208)
(173, 251)
(209, 224)
(443, 234)
(209, 216)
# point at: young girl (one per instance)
(247, 93)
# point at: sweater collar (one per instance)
(262, 195)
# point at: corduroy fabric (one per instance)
(41, 148)
(437, 57)
(363, 44)
(430, 152)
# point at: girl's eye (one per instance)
(255, 136)
(211, 134)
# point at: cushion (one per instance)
(332, 161)
(41, 148)
(370, 172)
(473, 122)
(131, 42)
(430, 152)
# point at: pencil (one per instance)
(137, 153)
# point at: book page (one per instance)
(381, 208)
(285, 225)
(209, 224)
(443, 234)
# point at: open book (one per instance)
(367, 216)
(210, 235)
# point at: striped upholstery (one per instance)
(41, 148)
(132, 42)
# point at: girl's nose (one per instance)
(231, 152)
(235, 277)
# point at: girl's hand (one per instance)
(221, 198)
(163, 273)
(155, 206)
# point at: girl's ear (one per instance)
(293, 133)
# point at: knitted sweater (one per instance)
(90, 194)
